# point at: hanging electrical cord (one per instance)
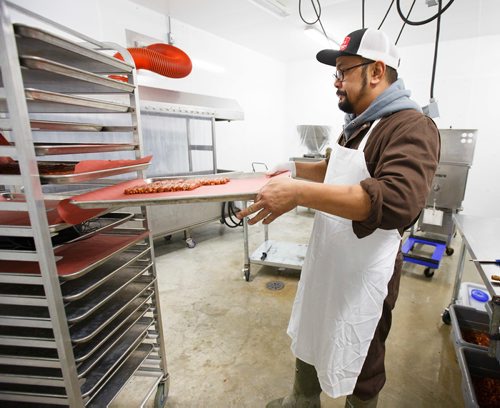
(438, 28)
(438, 14)
(231, 212)
(386, 14)
(318, 16)
(404, 24)
(318, 13)
(362, 13)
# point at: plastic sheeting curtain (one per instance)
(179, 144)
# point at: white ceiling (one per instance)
(244, 23)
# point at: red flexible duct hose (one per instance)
(164, 59)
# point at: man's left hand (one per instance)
(277, 197)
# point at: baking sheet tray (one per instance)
(40, 101)
(77, 288)
(17, 219)
(242, 187)
(34, 41)
(31, 375)
(35, 394)
(27, 356)
(49, 125)
(131, 335)
(133, 312)
(102, 371)
(20, 219)
(91, 175)
(47, 149)
(88, 328)
(83, 308)
(106, 394)
(26, 333)
(56, 77)
(80, 257)
(13, 294)
(60, 126)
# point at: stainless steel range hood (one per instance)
(184, 103)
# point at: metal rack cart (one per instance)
(79, 309)
(445, 199)
(480, 240)
(279, 254)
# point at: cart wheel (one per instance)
(428, 272)
(445, 317)
(161, 396)
(449, 251)
(246, 272)
(190, 243)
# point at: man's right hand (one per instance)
(281, 168)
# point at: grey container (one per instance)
(465, 317)
(475, 363)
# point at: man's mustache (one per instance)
(340, 93)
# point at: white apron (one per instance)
(342, 286)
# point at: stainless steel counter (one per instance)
(481, 240)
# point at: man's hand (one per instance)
(281, 168)
(277, 197)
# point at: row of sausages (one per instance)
(165, 186)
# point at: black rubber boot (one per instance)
(306, 389)
(354, 402)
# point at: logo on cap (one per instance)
(345, 43)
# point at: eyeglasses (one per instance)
(339, 74)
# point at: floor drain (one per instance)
(275, 285)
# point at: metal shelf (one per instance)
(280, 254)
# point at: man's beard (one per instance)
(347, 106)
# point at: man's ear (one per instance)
(378, 71)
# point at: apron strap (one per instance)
(365, 139)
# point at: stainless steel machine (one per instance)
(435, 224)
(314, 138)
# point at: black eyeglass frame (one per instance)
(339, 73)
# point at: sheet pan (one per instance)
(35, 41)
(57, 77)
(242, 187)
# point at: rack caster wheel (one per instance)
(246, 273)
(190, 243)
(445, 317)
(161, 396)
(449, 251)
(428, 272)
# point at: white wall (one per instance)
(255, 81)
(466, 88)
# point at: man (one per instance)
(373, 187)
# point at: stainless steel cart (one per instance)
(80, 316)
(279, 254)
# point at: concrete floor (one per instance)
(226, 338)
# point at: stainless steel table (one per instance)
(481, 240)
